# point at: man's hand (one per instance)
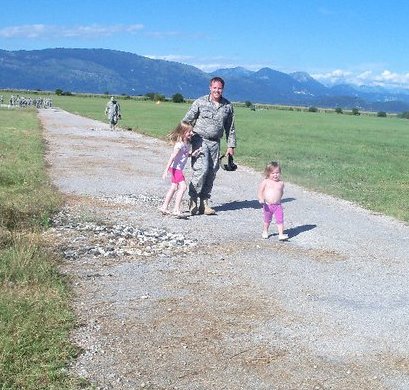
(230, 151)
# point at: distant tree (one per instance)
(381, 114)
(355, 111)
(150, 95)
(178, 98)
(248, 104)
(338, 110)
(158, 97)
(312, 109)
(404, 115)
(58, 92)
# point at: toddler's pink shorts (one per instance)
(273, 209)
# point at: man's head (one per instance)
(112, 98)
(216, 88)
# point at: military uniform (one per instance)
(113, 112)
(210, 120)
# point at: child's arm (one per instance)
(260, 193)
(170, 161)
(195, 153)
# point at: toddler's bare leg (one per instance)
(280, 229)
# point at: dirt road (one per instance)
(206, 303)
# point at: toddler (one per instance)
(270, 192)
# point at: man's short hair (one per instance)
(217, 79)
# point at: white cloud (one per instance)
(334, 76)
(211, 67)
(170, 57)
(25, 31)
(392, 78)
(42, 31)
(385, 78)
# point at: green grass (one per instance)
(35, 317)
(24, 197)
(145, 117)
(357, 158)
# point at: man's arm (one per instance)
(192, 113)
(230, 131)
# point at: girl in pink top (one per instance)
(180, 136)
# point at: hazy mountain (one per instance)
(310, 83)
(98, 71)
(237, 72)
(117, 72)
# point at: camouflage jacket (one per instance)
(113, 108)
(211, 121)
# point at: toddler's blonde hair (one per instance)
(270, 166)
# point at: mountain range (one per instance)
(122, 73)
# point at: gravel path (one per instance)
(205, 303)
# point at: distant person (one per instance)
(113, 112)
(211, 116)
(181, 137)
(270, 192)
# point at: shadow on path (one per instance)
(244, 204)
(295, 231)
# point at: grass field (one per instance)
(358, 158)
(35, 317)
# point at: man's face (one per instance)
(216, 90)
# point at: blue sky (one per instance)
(359, 41)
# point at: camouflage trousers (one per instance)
(113, 119)
(204, 167)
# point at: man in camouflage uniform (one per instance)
(211, 115)
(113, 112)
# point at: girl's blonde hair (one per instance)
(179, 131)
(271, 166)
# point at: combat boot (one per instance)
(205, 209)
(193, 206)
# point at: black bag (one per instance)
(230, 166)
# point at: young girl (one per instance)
(270, 192)
(180, 136)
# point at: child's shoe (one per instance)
(264, 235)
(164, 211)
(282, 237)
(177, 214)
